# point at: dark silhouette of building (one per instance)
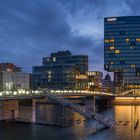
(108, 84)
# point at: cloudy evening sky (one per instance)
(32, 29)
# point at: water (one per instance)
(126, 117)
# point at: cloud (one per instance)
(32, 29)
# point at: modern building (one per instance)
(81, 81)
(61, 70)
(95, 80)
(12, 78)
(108, 85)
(122, 51)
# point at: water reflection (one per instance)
(128, 127)
(125, 116)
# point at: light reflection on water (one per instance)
(125, 116)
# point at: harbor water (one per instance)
(77, 127)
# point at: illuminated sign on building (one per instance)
(111, 19)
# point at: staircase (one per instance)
(83, 110)
(127, 92)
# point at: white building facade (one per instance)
(10, 80)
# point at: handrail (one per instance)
(82, 110)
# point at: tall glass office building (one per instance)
(122, 50)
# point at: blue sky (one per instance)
(32, 29)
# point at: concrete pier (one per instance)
(9, 109)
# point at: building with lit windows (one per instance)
(12, 78)
(122, 50)
(95, 80)
(61, 70)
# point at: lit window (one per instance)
(106, 41)
(117, 51)
(111, 40)
(54, 59)
(106, 66)
(127, 40)
(49, 76)
(138, 39)
(49, 72)
(133, 65)
(111, 62)
(112, 47)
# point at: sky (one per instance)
(32, 29)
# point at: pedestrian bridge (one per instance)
(29, 94)
(104, 120)
(132, 92)
(22, 93)
(11, 99)
(79, 93)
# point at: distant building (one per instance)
(95, 80)
(12, 78)
(81, 81)
(61, 70)
(9, 67)
(108, 84)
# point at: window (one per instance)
(132, 42)
(117, 51)
(111, 40)
(106, 41)
(133, 65)
(106, 66)
(122, 62)
(138, 39)
(54, 59)
(137, 73)
(112, 47)
(111, 62)
(127, 40)
(122, 33)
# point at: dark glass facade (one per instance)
(60, 70)
(122, 50)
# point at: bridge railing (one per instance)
(77, 92)
(21, 92)
(83, 110)
(130, 92)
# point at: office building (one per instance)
(95, 80)
(61, 70)
(12, 78)
(122, 51)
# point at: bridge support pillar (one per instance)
(9, 109)
(33, 119)
(94, 105)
